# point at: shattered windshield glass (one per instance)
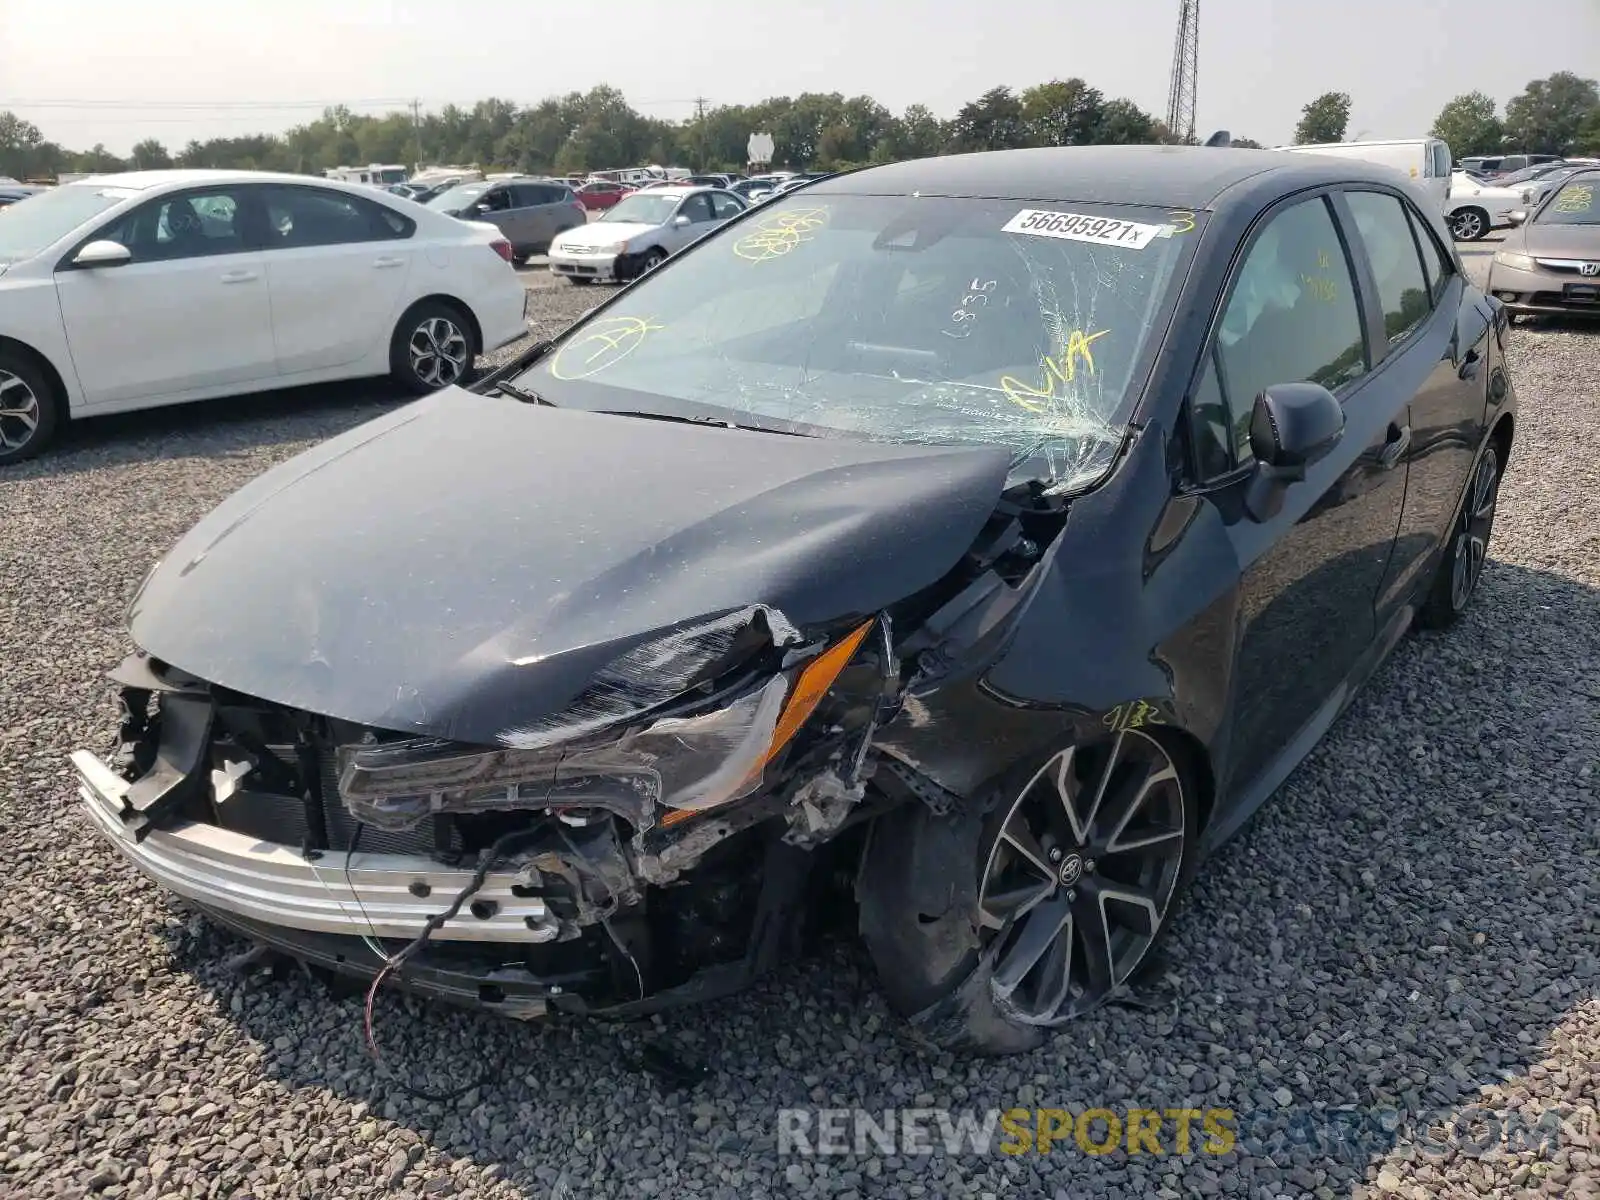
(897, 318)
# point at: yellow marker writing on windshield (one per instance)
(1062, 368)
(1576, 199)
(609, 340)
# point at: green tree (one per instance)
(994, 121)
(920, 133)
(1246, 144)
(1550, 114)
(1469, 125)
(1062, 113)
(19, 144)
(1589, 136)
(98, 160)
(1324, 119)
(151, 155)
(1124, 123)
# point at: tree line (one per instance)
(597, 129)
(585, 131)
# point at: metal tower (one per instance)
(1185, 80)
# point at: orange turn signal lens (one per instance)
(809, 689)
(813, 684)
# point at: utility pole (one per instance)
(416, 130)
(1185, 80)
(700, 131)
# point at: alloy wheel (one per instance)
(19, 412)
(1472, 533)
(1081, 876)
(439, 352)
(1467, 225)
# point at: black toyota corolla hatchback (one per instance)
(995, 530)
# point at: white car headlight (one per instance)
(1517, 262)
(615, 248)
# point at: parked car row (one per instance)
(136, 290)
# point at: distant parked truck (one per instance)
(1426, 160)
(375, 174)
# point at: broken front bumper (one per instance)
(355, 895)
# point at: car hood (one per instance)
(466, 564)
(603, 233)
(1560, 241)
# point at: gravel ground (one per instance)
(1411, 923)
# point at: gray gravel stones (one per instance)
(1411, 923)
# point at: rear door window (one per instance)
(1396, 263)
(1435, 261)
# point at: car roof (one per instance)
(194, 177)
(1191, 177)
(682, 189)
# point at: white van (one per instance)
(1426, 160)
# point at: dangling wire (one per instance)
(393, 964)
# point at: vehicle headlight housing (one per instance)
(1517, 262)
(687, 763)
(615, 248)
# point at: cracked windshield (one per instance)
(923, 319)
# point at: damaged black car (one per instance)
(996, 531)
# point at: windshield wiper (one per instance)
(685, 419)
(517, 393)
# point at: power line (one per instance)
(186, 105)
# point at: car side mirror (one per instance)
(103, 254)
(1292, 426)
(680, 220)
(1517, 216)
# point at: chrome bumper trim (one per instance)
(276, 885)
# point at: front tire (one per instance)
(432, 348)
(1456, 580)
(30, 409)
(652, 259)
(990, 926)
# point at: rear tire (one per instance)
(432, 347)
(993, 924)
(30, 408)
(1469, 224)
(1456, 580)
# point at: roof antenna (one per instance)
(1220, 138)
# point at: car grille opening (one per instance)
(279, 817)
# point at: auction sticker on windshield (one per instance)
(1077, 227)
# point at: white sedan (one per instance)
(637, 233)
(159, 287)
(1475, 207)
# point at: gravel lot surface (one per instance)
(1411, 923)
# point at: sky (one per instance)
(109, 71)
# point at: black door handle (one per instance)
(1394, 447)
